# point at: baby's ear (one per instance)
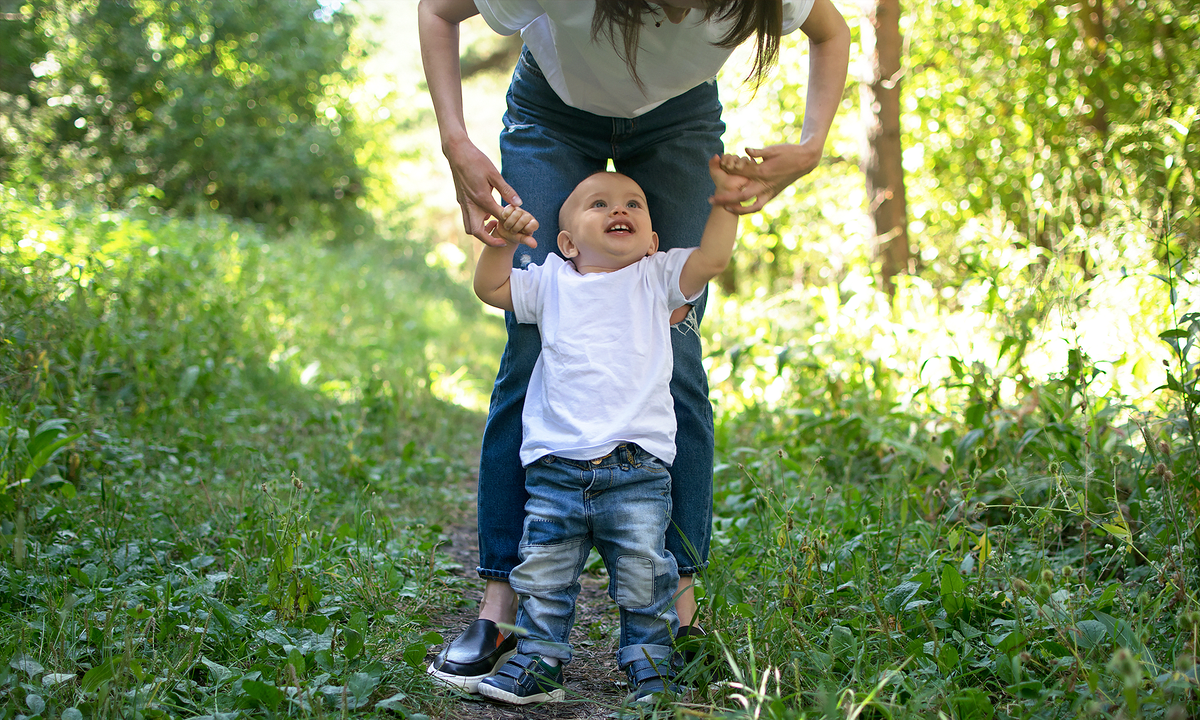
(653, 244)
(566, 245)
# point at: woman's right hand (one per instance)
(475, 179)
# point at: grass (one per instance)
(226, 473)
(187, 527)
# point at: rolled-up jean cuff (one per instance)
(690, 569)
(493, 574)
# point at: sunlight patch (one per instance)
(457, 388)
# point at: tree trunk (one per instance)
(882, 154)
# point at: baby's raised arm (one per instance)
(720, 234)
(494, 267)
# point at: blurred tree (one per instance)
(883, 155)
(1035, 109)
(241, 106)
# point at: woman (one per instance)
(630, 81)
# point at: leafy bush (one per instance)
(245, 107)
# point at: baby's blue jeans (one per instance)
(620, 504)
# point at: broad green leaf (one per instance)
(842, 644)
(414, 654)
(947, 658)
(984, 547)
(27, 665)
(395, 703)
(1117, 530)
(45, 451)
(268, 696)
(97, 676)
(352, 643)
(952, 539)
(952, 589)
(1089, 633)
(897, 597)
(962, 448)
(360, 686)
(971, 704)
(52, 679)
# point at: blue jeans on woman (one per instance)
(620, 504)
(547, 148)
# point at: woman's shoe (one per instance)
(688, 645)
(474, 655)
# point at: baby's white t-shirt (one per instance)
(604, 373)
(591, 76)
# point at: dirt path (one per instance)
(595, 687)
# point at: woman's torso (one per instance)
(592, 76)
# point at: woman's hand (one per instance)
(767, 171)
(475, 178)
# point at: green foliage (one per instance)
(1036, 110)
(245, 107)
(192, 520)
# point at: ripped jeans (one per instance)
(621, 504)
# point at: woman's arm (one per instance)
(475, 176)
(778, 166)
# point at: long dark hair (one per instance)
(762, 19)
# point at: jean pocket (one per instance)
(526, 64)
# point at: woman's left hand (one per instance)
(768, 170)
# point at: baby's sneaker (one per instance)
(525, 679)
(649, 680)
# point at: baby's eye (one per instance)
(633, 204)
(599, 204)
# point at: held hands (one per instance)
(764, 174)
(475, 178)
(727, 183)
(513, 226)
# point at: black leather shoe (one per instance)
(688, 645)
(474, 655)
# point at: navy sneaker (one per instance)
(648, 679)
(525, 679)
(474, 655)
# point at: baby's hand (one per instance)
(515, 225)
(723, 170)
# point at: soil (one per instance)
(595, 686)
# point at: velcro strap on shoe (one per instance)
(642, 670)
(517, 666)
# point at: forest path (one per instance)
(595, 686)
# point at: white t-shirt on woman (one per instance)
(591, 76)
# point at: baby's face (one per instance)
(607, 224)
